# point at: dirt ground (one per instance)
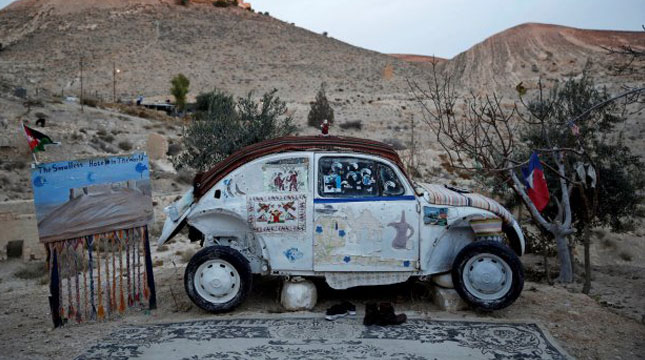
(607, 324)
(587, 327)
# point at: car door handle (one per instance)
(327, 209)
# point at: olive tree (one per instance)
(223, 125)
(605, 179)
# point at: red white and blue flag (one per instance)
(535, 182)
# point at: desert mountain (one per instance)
(233, 49)
(530, 51)
(150, 41)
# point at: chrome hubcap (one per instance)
(217, 281)
(487, 276)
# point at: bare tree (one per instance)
(479, 134)
(628, 53)
(492, 139)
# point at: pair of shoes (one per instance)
(340, 310)
(383, 315)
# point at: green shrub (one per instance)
(222, 126)
(179, 89)
(320, 109)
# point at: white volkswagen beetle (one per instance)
(343, 209)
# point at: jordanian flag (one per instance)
(36, 139)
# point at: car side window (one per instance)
(347, 177)
(390, 183)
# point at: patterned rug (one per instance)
(317, 338)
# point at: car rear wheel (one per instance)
(218, 279)
(488, 275)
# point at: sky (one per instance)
(443, 28)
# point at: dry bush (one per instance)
(90, 101)
(626, 255)
(125, 145)
(608, 243)
(4, 181)
(14, 165)
(356, 125)
(139, 111)
(173, 149)
(32, 270)
(76, 136)
(107, 138)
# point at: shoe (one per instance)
(386, 316)
(336, 311)
(339, 310)
(371, 314)
(351, 308)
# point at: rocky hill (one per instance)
(237, 50)
(531, 51)
(149, 41)
(422, 59)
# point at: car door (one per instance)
(365, 215)
(279, 205)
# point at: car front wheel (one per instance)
(218, 279)
(488, 275)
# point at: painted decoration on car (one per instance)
(286, 176)
(352, 240)
(435, 216)
(404, 232)
(293, 254)
(277, 213)
(345, 176)
(84, 197)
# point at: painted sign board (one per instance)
(84, 197)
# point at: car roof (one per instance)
(205, 180)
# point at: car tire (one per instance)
(488, 275)
(218, 279)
